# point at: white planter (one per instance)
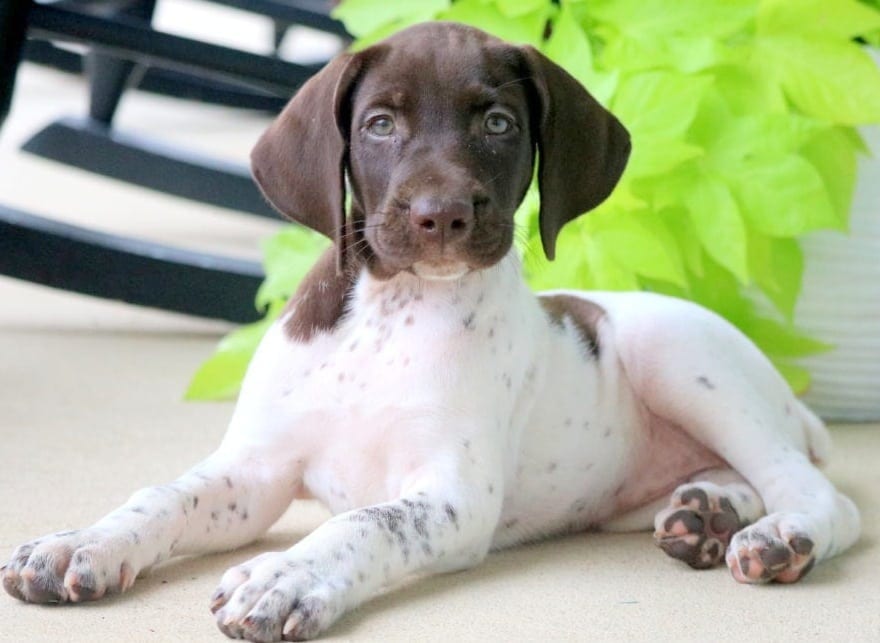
(840, 304)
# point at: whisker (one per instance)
(512, 82)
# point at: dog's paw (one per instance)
(69, 566)
(697, 525)
(276, 596)
(776, 548)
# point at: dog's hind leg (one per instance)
(695, 370)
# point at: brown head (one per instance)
(436, 129)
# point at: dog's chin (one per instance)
(446, 271)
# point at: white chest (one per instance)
(471, 370)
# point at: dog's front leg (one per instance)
(224, 502)
(443, 521)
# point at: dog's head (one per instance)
(436, 129)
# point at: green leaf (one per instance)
(843, 19)
(220, 376)
(760, 135)
(646, 19)
(784, 197)
(833, 153)
(782, 340)
(569, 47)
(569, 269)
(798, 377)
(607, 273)
(719, 224)
(659, 104)
(777, 266)
(287, 257)
(526, 28)
(515, 8)
(654, 155)
(828, 79)
(747, 88)
(718, 290)
(689, 244)
(688, 54)
(634, 248)
(363, 17)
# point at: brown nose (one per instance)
(441, 220)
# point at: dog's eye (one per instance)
(381, 126)
(497, 123)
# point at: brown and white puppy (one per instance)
(430, 400)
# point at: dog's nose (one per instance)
(441, 220)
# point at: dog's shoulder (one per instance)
(583, 313)
(320, 300)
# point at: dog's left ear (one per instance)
(582, 147)
(299, 162)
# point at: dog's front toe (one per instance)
(698, 525)
(776, 548)
(273, 598)
(72, 566)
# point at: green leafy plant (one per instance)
(742, 116)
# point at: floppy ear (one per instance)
(299, 162)
(582, 147)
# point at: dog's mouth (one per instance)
(391, 247)
(440, 270)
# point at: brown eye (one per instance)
(381, 126)
(497, 123)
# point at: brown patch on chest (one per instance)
(584, 314)
(321, 299)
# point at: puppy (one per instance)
(439, 408)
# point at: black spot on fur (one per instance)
(469, 321)
(451, 513)
(704, 381)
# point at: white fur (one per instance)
(440, 419)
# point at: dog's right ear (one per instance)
(299, 162)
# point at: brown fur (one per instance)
(321, 299)
(437, 82)
(585, 315)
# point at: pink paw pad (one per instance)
(757, 556)
(696, 527)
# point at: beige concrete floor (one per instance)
(90, 410)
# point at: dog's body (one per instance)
(440, 409)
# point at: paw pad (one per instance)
(696, 527)
(762, 554)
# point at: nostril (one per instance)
(458, 224)
(428, 224)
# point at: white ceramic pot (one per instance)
(840, 304)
